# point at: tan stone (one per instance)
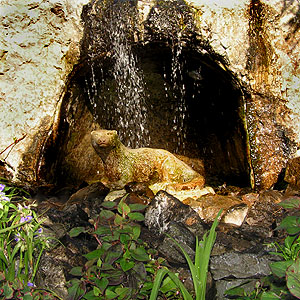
(208, 206)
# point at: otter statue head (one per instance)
(104, 141)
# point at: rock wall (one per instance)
(40, 44)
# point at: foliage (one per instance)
(122, 267)
(21, 245)
(198, 269)
(284, 282)
(17, 290)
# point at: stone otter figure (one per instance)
(124, 165)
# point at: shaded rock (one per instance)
(292, 173)
(223, 285)
(139, 188)
(240, 265)
(184, 237)
(207, 207)
(265, 213)
(138, 193)
(55, 265)
(92, 192)
(90, 198)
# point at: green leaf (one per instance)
(96, 291)
(161, 273)
(107, 267)
(74, 291)
(76, 231)
(8, 292)
(137, 207)
(102, 284)
(291, 203)
(123, 208)
(109, 204)
(110, 294)
(140, 254)
(279, 267)
(291, 224)
(119, 220)
(168, 285)
(76, 271)
(102, 230)
(111, 238)
(269, 296)
(136, 230)
(94, 254)
(126, 229)
(27, 296)
(99, 262)
(126, 264)
(122, 292)
(90, 296)
(136, 216)
(235, 291)
(106, 214)
(124, 238)
(293, 278)
(112, 256)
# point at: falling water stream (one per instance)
(128, 111)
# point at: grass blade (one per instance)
(157, 282)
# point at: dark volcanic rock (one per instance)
(167, 215)
(165, 209)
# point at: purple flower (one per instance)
(25, 219)
(4, 198)
(2, 186)
(30, 284)
(40, 230)
(17, 237)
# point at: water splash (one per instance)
(121, 105)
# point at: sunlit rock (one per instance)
(207, 207)
(40, 43)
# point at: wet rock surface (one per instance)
(165, 209)
(292, 173)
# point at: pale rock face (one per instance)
(40, 44)
(38, 48)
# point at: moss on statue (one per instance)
(124, 165)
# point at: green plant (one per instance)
(198, 269)
(122, 266)
(21, 242)
(17, 290)
(284, 282)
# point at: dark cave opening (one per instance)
(210, 128)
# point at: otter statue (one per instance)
(123, 165)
